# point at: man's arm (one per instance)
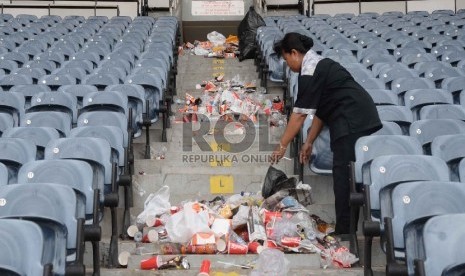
(294, 125)
(314, 130)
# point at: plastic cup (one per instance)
(132, 230)
(255, 247)
(123, 258)
(237, 249)
(151, 263)
(205, 268)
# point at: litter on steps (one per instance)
(275, 219)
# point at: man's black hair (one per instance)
(299, 42)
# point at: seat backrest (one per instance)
(437, 247)
(105, 101)
(96, 150)
(412, 202)
(417, 98)
(55, 101)
(40, 136)
(369, 147)
(22, 243)
(76, 174)
(426, 130)
(6, 122)
(58, 120)
(391, 170)
(105, 118)
(112, 134)
(39, 203)
(443, 111)
(13, 104)
(14, 152)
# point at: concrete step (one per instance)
(239, 272)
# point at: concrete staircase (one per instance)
(190, 180)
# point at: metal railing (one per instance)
(49, 7)
(299, 6)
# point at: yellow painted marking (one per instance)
(217, 74)
(220, 147)
(221, 163)
(221, 184)
(218, 68)
(218, 61)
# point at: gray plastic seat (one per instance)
(54, 119)
(417, 98)
(410, 204)
(369, 147)
(388, 75)
(389, 128)
(153, 89)
(455, 86)
(24, 244)
(29, 90)
(35, 73)
(450, 149)
(54, 81)
(7, 81)
(3, 174)
(47, 65)
(105, 118)
(94, 150)
(39, 203)
(75, 174)
(39, 136)
(77, 73)
(114, 136)
(398, 114)
(101, 80)
(105, 101)
(12, 103)
(426, 130)
(443, 111)
(78, 90)
(84, 64)
(54, 101)
(433, 250)
(6, 122)
(383, 97)
(402, 85)
(14, 152)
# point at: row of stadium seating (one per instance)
(408, 176)
(75, 93)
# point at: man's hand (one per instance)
(305, 152)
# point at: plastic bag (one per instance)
(276, 180)
(247, 31)
(156, 204)
(199, 51)
(187, 222)
(216, 38)
(271, 262)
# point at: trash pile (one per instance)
(245, 223)
(217, 46)
(231, 100)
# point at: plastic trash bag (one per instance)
(247, 31)
(216, 38)
(156, 204)
(271, 262)
(276, 180)
(190, 220)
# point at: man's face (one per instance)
(293, 60)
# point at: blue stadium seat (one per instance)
(443, 111)
(61, 226)
(6, 122)
(409, 205)
(25, 249)
(385, 173)
(433, 251)
(54, 119)
(39, 136)
(449, 148)
(426, 130)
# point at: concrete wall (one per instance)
(384, 6)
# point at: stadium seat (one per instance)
(25, 249)
(6, 122)
(449, 149)
(385, 173)
(433, 251)
(443, 111)
(426, 130)
(39, 136)
(409, 205)
(38, 203)
(54, 119)
(417, 98)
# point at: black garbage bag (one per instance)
(247, 31)
(275, 181)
